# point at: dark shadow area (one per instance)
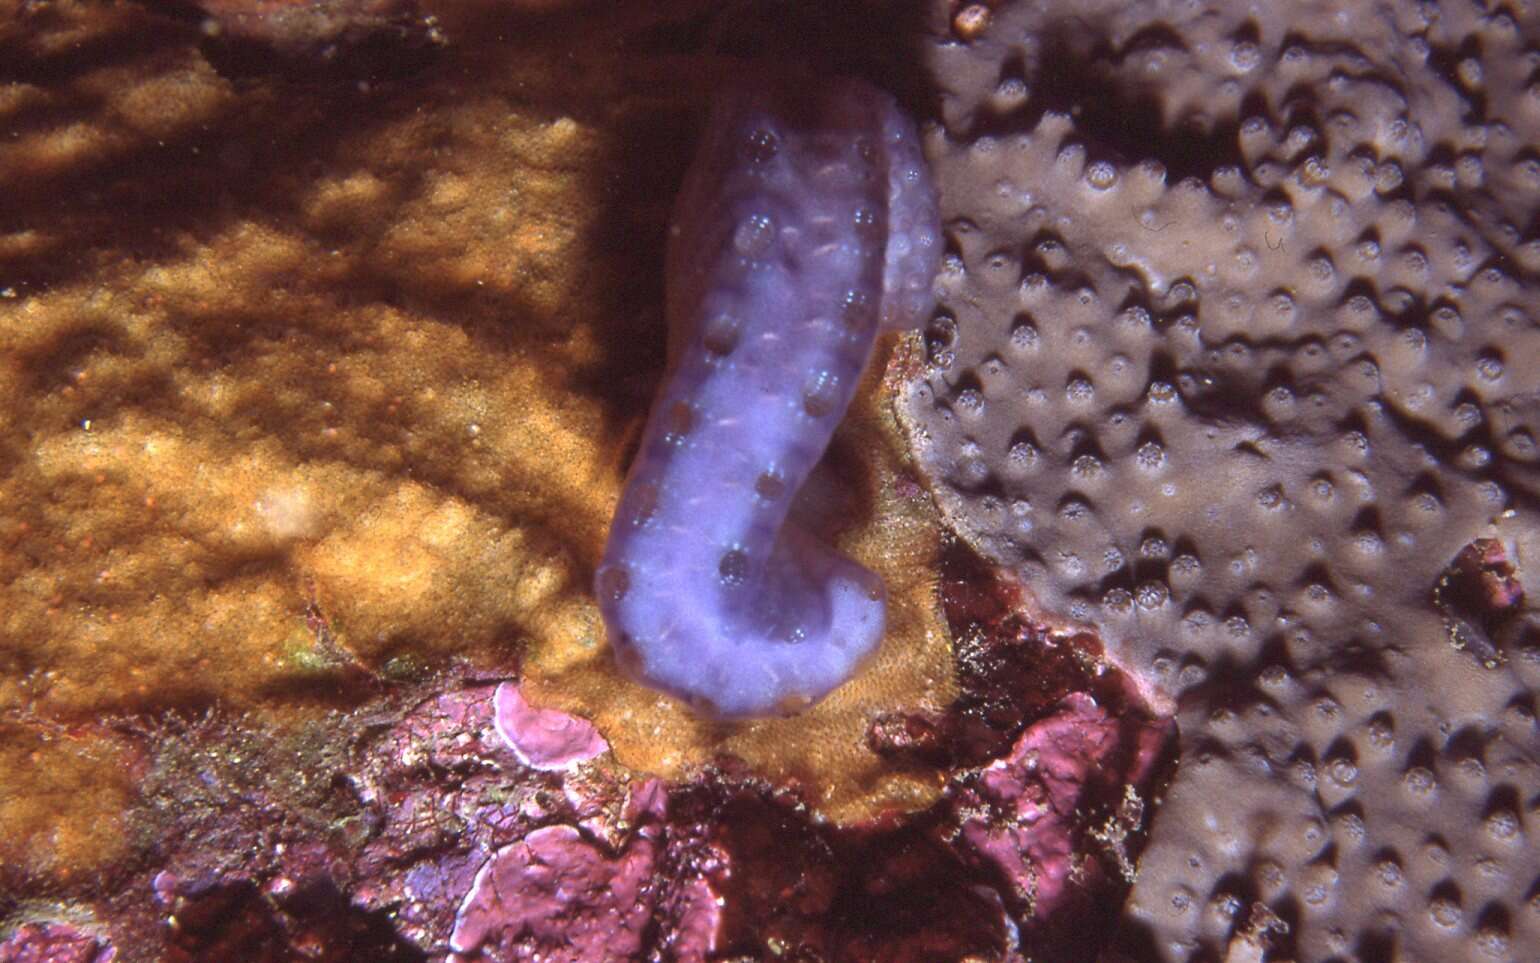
(1120, 118)
(316, 922)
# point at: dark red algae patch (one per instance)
(1055, 760)
(801, 891)
(279, 922)
(1482, 599)
(1012, 670)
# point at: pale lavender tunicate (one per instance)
(807, 223)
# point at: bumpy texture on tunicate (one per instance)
(1235, 358)
(806, 225)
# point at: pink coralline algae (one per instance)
(1034, 798)
(557, 895)
(554, 895)
(544, 739)
(54, 943)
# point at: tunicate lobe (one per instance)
(806, 225)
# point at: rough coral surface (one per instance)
(1234, 363)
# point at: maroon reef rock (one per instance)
(1024, 814)
(54, 943)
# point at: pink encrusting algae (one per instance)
(55, 942)
(557, 895)
(1033, 795)
(544, 738)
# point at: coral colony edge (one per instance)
(807, 224)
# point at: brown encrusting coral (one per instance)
(1237, 362)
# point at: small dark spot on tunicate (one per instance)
(677, 422)
(762, 145)
(754, 236)
(612, 582)
(856, 310)
(734, 567)
(770, 486)
(867, 224)
(820, 393)
(871, 586)
(626, 654)
(644, 502)
(721, 335)
(793, 703)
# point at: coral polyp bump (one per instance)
(806, 225)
